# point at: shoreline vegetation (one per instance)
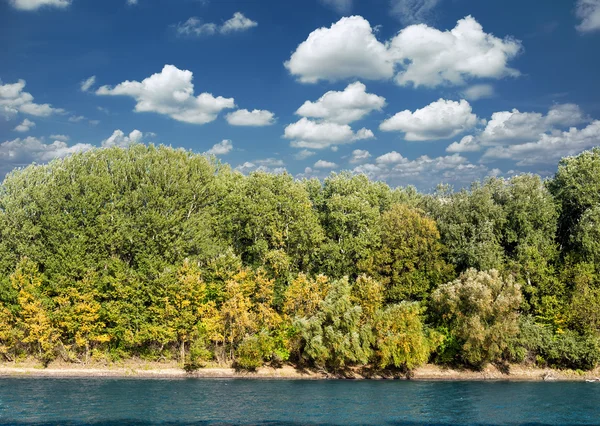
(158, 370)
(174, 259)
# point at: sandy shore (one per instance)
(171, 371)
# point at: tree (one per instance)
(335, 337)
(470, 225)
(35, 308)
(401, 338)
(409, 262)
(481, 311)
(576, 188)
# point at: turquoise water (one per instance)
(102, 401)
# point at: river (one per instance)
(108, 401)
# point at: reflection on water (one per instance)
(103, 401)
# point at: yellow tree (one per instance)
(304, 294)
(34, 318)
(78, 314)
(236, 312)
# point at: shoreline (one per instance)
(427, 372)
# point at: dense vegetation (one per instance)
(163, 254)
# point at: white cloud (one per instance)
(422, 55)
(195, 27)
(478, 91)
(322, 164)
(118, 138)
(36, 4)
(14, 100)
(171, 93)
(270, 165)
(304, 154)
(132, 2)
(237, 23)
(306, 133)
(340, 6)
(63, 138)
(256, 118)
(412, 11)
(359, 155)
(433, 57)
(467, 144)
(589, 13)
(507, 127)
(22, 152)
(76, 118)
(88, 83)
(343, 107)
(423, 171)
(347, 49)
(221, 148)
(25, 126)
(439, 120)
(549, 147)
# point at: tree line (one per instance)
(163, 254)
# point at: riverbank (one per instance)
(172, 371)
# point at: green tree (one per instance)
(335, 337)
(409, 262)
(481, 311)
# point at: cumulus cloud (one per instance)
(549, 147)
(237, 23)
(304, 154)
(422, 55)
(36, 4)
(25, 126)
(439, 120)
(351, 104)
(412, 11)
(171, 93)
(309, 134)
(14, 100)
(467, 144)
(22, 152)
(120, 139)
(63, 138)
(423, 171)
(194, 26)
(256, 118)
(221, 148)
(340, 6)
(270, 165)
(322, 164)
(478, 91)
(507, 127)
(347, 49)
(359, 155)
(87, 84)
(433, 57)
(589, 13)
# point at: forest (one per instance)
(157, 253)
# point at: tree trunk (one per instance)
(182, 351)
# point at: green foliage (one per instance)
(160, 253)
(567, 349)
(470, 224)
(409, 262)
(480, 309)
(401, 338)
(335, 337)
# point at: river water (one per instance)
(107, 401)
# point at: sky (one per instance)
(411, 92)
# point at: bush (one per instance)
(253, 351)
(480, 310)
(567, 349)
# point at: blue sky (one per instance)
(407, 91)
